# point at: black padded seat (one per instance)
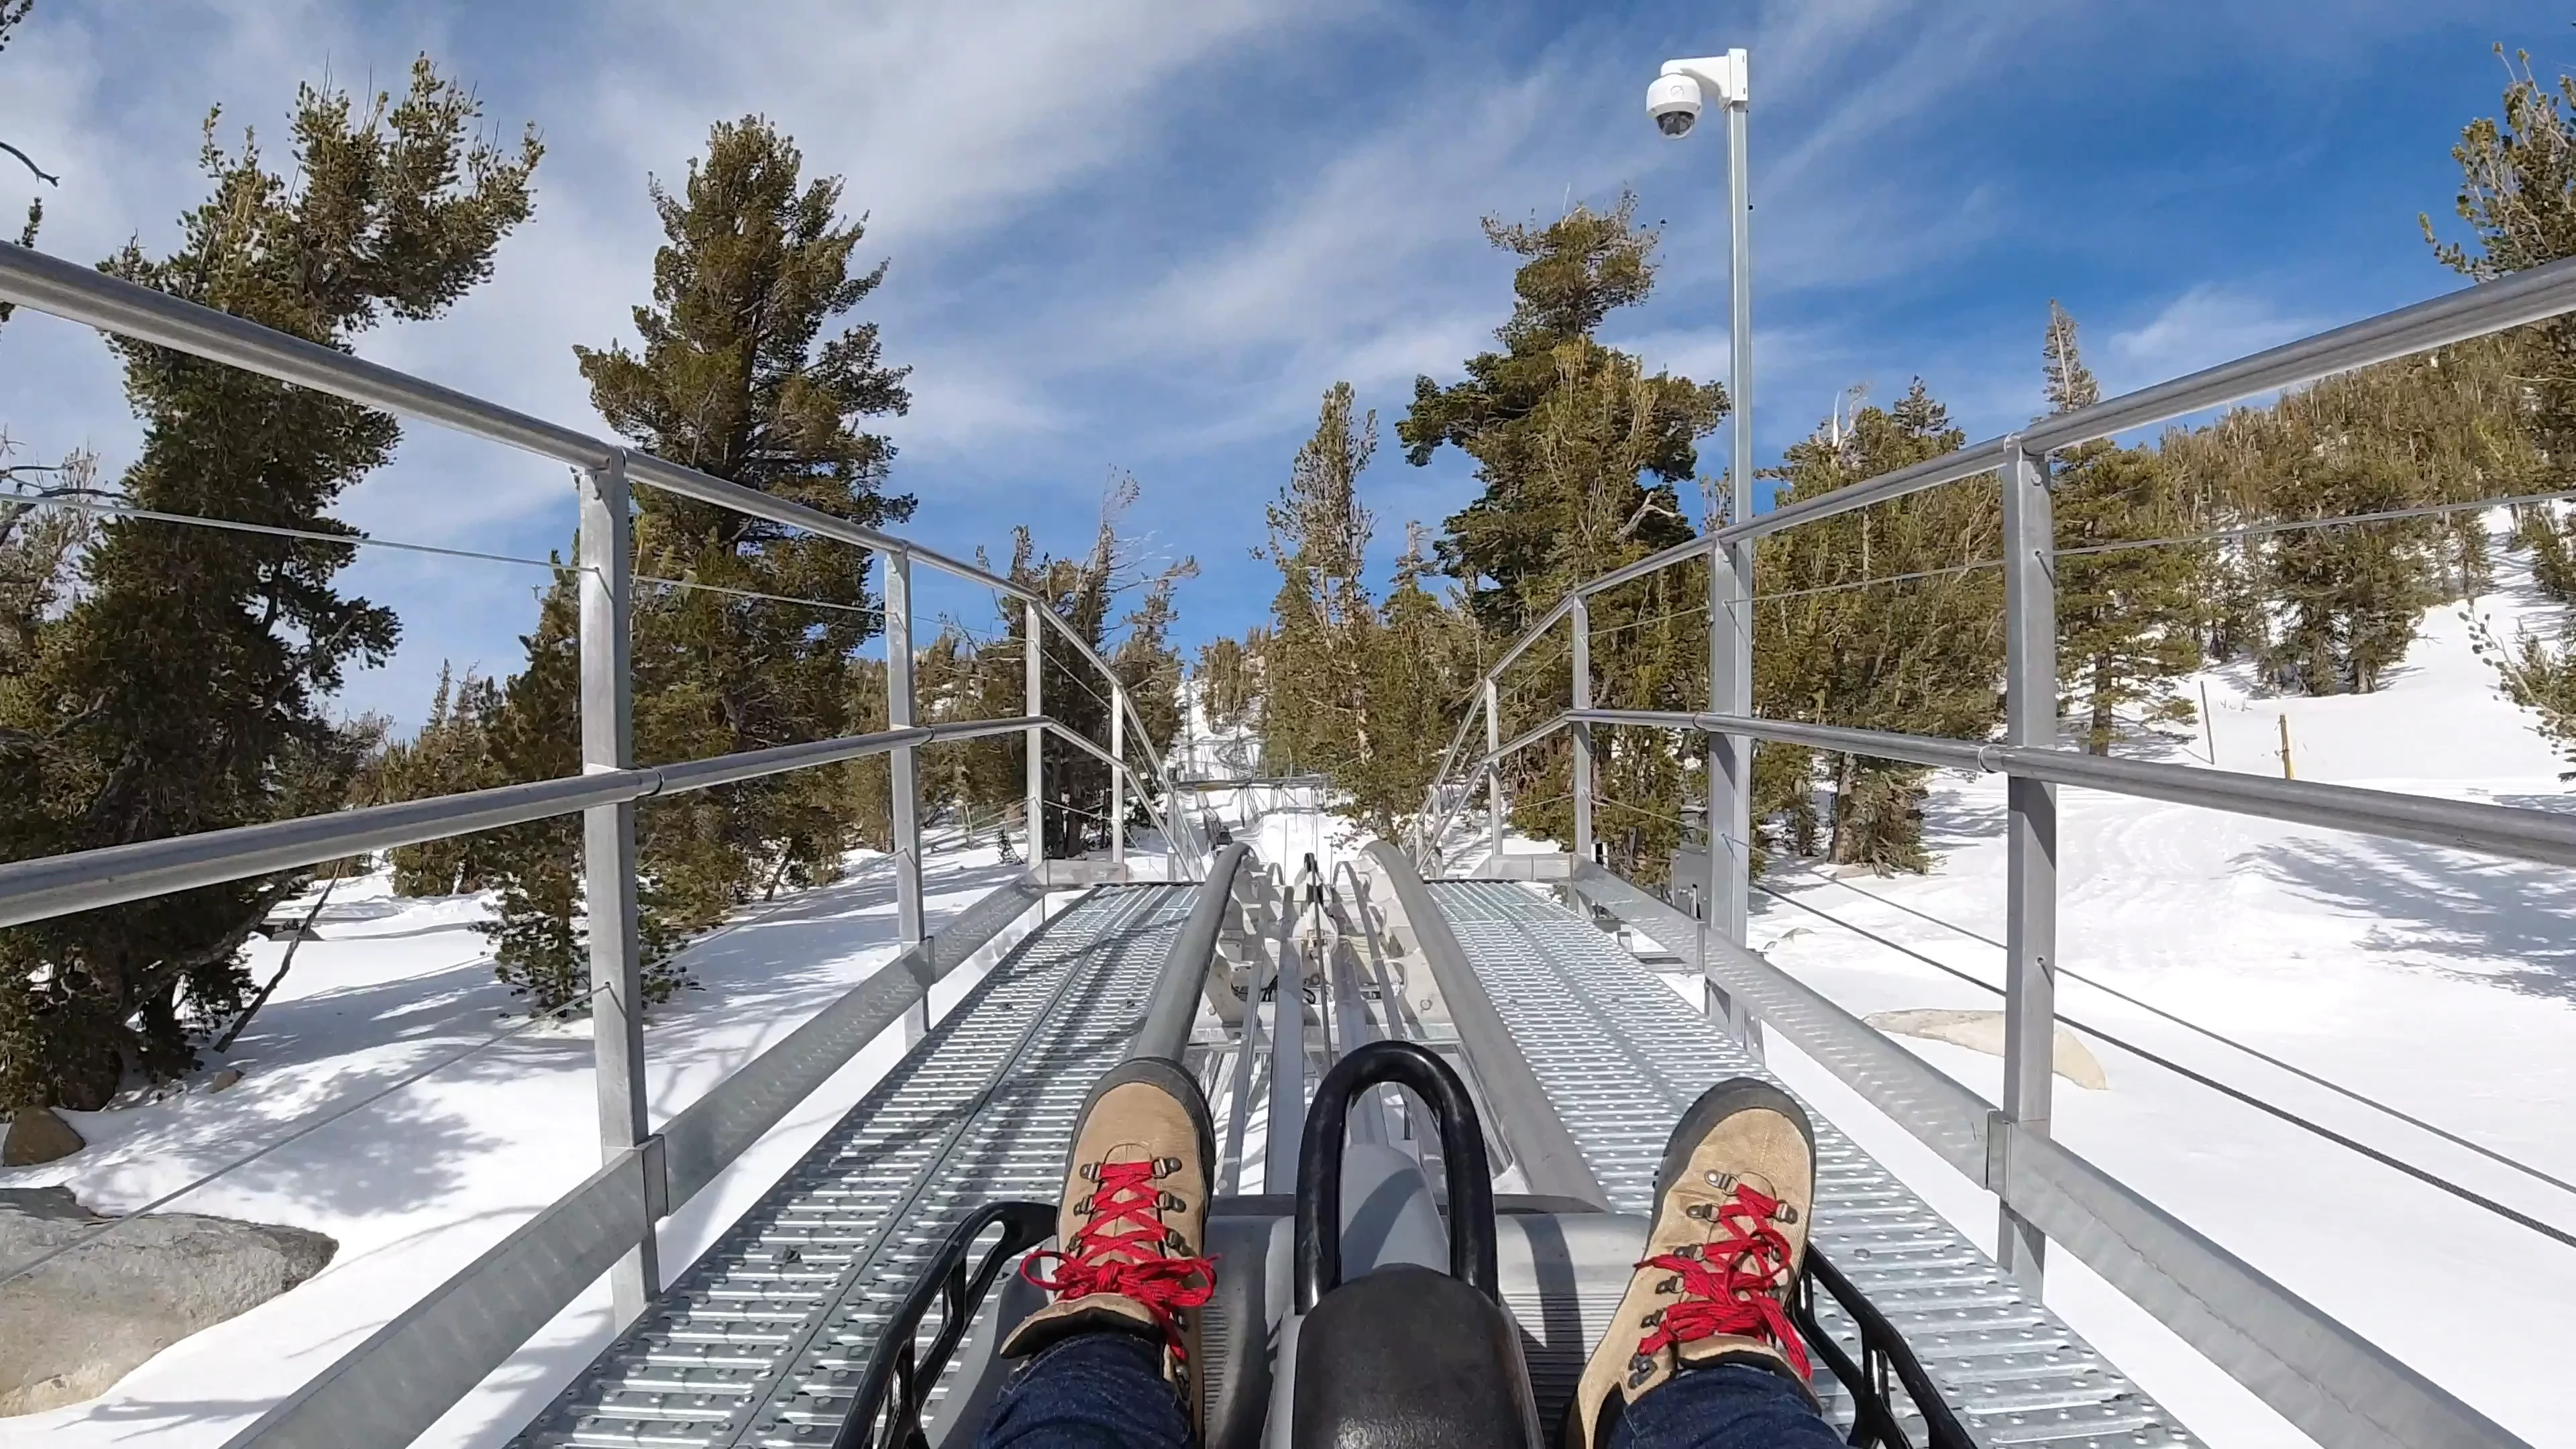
(1411, 1358)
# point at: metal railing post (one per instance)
(906, 775)
(1730, 587)
(2030, 930)
(1117, 778)
(1494, 774)
(1582, 620)
(1034, 662)
(608, 853)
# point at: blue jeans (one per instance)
(1106, 1391)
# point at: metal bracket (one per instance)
(1999, 1131)
(657, 1178)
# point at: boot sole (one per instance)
(1736, 1094)
(1167, 1075)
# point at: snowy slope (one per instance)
(416, 1185)
(2438, 982)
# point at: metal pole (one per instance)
(1117, 780)
(1730, 589)
(1034, 662)
(608, 854)
(1582, 732)
(1494, 778)
(2030, 929)
(907, 771)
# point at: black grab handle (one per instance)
(1462, 1155)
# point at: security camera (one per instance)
(1673, 100)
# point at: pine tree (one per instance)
(1563, 429)
(184, 691)
(2126, 621)
(451, 754)
(736, 377)
(1579, 451)
(1230, 679)
(1922, 655)
(1321, 618)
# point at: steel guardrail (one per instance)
(75, 293)
(56, 885)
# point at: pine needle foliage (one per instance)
(185, 689)
(2127, 621)
(751, 369)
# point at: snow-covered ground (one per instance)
(2438, 982)
(416, 1185)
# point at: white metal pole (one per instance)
(608, 855)
(1730, 584)
(906, 774)
(1494, 777)
(1118, 780)
(1034, 656)
(1581, 618)
(2030, 926)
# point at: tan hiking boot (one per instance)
(1129, 1231)
(1732, 1201)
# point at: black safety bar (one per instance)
(887, 1412)
(1882, 1350)
(1462, 1153)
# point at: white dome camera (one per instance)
(1674, 101)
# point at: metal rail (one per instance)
(2343, 1397)
(1525, 1117)
(76, 293)
(1166, 1032)
(57, 885)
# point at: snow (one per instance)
(2442, 983)
(418, 1184)
(2438, 982)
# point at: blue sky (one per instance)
(1144, 235)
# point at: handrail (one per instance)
(2473, 311)
(114, 305)
(58, 885)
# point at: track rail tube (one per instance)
(1527, 1120)
(1175, 1004)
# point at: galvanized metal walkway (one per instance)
(765, 1339)
(1621, 1055)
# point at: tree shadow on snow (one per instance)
(2507, 923)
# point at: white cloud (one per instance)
(2203, 327)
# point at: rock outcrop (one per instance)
(85, 1319)
(38, 1135)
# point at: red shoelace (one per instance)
(1730, 1285)
(1131, 1264)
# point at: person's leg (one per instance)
(1723, 1406)
(1113, 1361)
(1101, 1390)
(1701, 1353)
